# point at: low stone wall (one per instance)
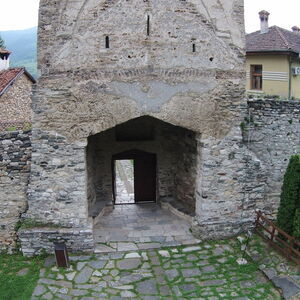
(271, 130)
(15, 156)
(34, 241)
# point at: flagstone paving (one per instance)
(207, 270)
(140, 227)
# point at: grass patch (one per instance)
(13, 286)
(31, 223)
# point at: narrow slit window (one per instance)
(194, 47)
(107, 42)
(148, 25)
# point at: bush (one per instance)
(290, 196)
(296, 233)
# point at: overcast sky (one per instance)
(22, 14)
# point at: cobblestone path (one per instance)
(202, 271)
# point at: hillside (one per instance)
(23, 44)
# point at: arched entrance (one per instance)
(162, 159)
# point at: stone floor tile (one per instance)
(147, 287)
(84, 275)
(145, 246)
(97, 264)
(39, 290)
(190, 249)
(289, 288)
(47, 296)
(191, 272)
(127, 264)
(126, 247)
(76, 292)
(103, 249)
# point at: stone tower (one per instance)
(174, 68)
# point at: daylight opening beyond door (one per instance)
(124, 181)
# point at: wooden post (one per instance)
(272, 234)
(61, 255)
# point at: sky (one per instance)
(23, 14)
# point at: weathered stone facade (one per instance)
(271, 130)
(15, 104)
(187, 74)
(15, 155)
(96, 74)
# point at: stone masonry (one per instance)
(271, 130)
(15, 154)
(96, 74)
(180, 62)
(15, 104)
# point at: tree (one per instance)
(290, 196)
(296, 232)
(2, 45)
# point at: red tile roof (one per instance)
(4, 51)
(275, 40)
(7, 77)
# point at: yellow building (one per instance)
(273, 60)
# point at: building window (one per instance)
(107, 42)
(256, 77)
(148, 25)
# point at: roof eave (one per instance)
(29, 76)
(281, 52)
(11, 81)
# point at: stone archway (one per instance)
(173, 151)
(176, 151)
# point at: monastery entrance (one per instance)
(149, 164)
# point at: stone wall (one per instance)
(230, 183)
(271, 130)
(15, 155)
(41, 239)
(15, 104)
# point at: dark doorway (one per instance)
(144, 173)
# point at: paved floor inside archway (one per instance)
(140, 226)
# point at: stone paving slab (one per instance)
(279, 270)
(140, 227)
(203, 271)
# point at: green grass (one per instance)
(12, 286)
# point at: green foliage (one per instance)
(31, 223)
(27, 126)
(243, 126)
(2, 45)
(11, 128)
(290, 196)
(13, 286)
(297, 224)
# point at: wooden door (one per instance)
(145, 178)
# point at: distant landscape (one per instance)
(23, 45)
